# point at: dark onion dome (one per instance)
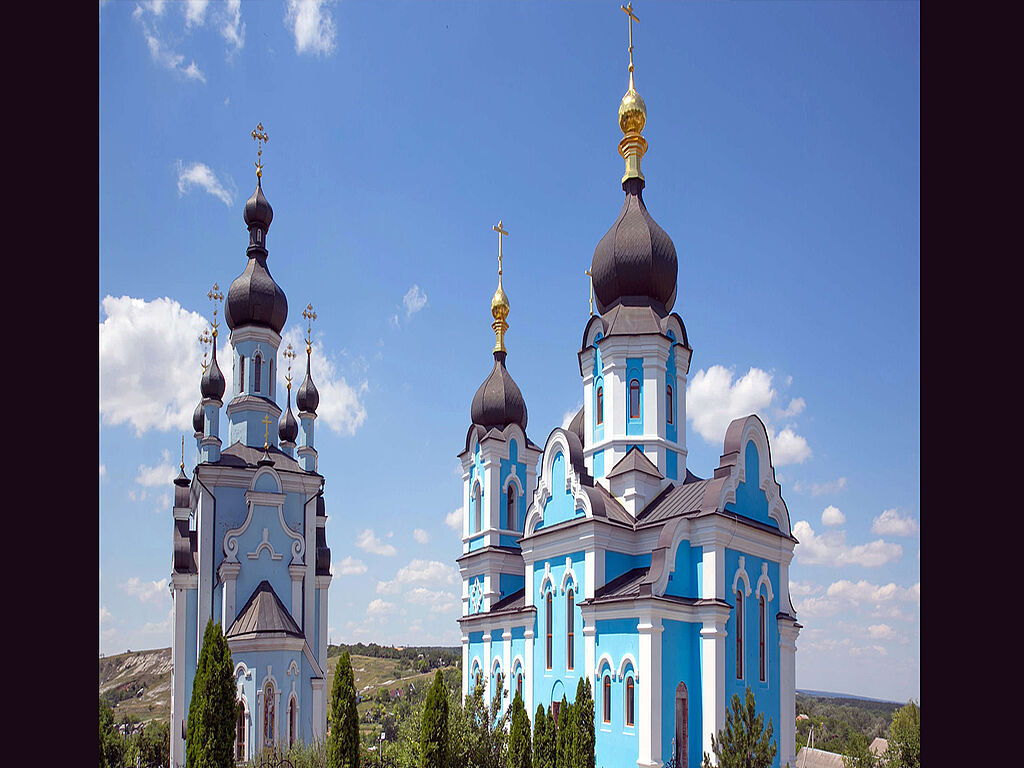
(254, 298)
(576, 425)
(213, 383)
(198, 421)
(287, 426)
(307, 398)
(635, 262)
(498, 402)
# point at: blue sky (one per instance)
(783, 160)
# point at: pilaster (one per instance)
(712, 673)
(649, 682)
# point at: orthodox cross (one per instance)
(260, 137)
(310, 316)
(205, 341)
(289, 355)
(215, 296)
(182, 453)
(588, 274)
(266, 430)
(628, 10)
(501, 231)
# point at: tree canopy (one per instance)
(212, 713)
(343, 718)
(745, 742)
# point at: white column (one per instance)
(322, 583)
(506, 664)
(492, 498)
(177, 744)
(205, 565)
(297, 571)
(589, 653)
(229, 575)
(712, 678)
(319, 709)
(488, 693)
(713, 582)
(649, 682)
(788, 631)
(528, 675)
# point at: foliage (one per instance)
(432, 656)
(837, 719)
(343, 719)
(857, 753)
(745, 742)
(111, 744)
(147, 746)
(543, 739)
(904, 749)
(487, 740)
(585, 737)
(434, 728)
(212, 712)
(566, 728)
(519, 748)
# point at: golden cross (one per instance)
(266, 430)
(587, 272)
(310, 316)
(501, 231)
(628, 10)
(182, 453)
(289, 355)
(215, 296)
(259, 136)
(205, 341)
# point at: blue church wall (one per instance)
(476, 476)
(561, 506)
(751, 501)
(316, 622)
(635, 370)
(671, 464)
(617, 563)
(248, 428)
(672, 425)
(684, 581)
(476, 542)
(191, 642)
(598, 463)
(248, 349)
(615, 742)
(279, 661)
(510, 582)
(254, 571)
(544, 679)
(505, 471)
(680, 663)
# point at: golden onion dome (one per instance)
(632, 112)
(499, 304)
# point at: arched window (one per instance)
(607, 686)
(668, 393)
(510, 508)
(629, 700)
(739, 633)
(634, 399)
(476, 507)
(600, 405)
(547, 609)
(570, 625)
(241, 373)
(292, 722)
(270, 377)
(257, 367)
(764, 624)
(268, 715)
(240, 733)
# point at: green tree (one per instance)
(211, 713)
(857, 753)
(543, 739)
(111, 745)
(584, 742)
(904, 750)
(745, 742)
(343, 719)
(519, 748)
(434, 729)
(565, 735)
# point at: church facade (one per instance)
(601, 555)
(249, 537)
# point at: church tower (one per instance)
(250, 549)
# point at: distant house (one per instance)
(878, 746)
(809, 757)
(802, 717)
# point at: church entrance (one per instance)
(682, 712)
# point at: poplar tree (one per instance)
(210, 734)
(434, 728)
(565, 735)
(343, 719)
(543, 739)
(745, 742)
(519, 748)
(584, 741)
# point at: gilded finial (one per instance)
(310, 316)
(205, 341)
(266, 431)
(588, 274)
(260, 137)
(182, 453)
(499, 303)
(632, 114)
(289, 355)
(215, 296)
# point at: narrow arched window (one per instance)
(270, 377)
(292, 721)
(510, 508)
(476, 507)
(241, 373)
(607, 686)
(519, 684)
(570, 626)
(739, 634)
(668, 393)
(634, 399)
(761, 652)
(240, 733)
(547, 609)
(600, 405)
(268, 716)
(257, 368)
(629, 700)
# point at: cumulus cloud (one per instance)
(454, 518)
(159, 475)
(831, 549)
(864, 592)
(420, 571)
(199, 175)
(350, 567)
(424, 596)
(421, 536)
(817, 489)
(788, 447)
(368, 541)
(881, 632)
(569, 415)
(795, 408)
(891, 523)
(414, 300)
(379, 607)
(832, 516)
(312, 25)
(147, 591)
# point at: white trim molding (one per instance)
(741, 573)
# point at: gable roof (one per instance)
(635, 460)
(264, 613)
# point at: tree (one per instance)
(434, 728)
(565, 735)
(343, 739)
(519, 748)
(857, 753)
(543, 739)
(744, 742)
(211, 713)
(904, 750)
(584, 743)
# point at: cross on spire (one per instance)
(628, 10)
(266, 431)
(310, 316)
(205, 341)
(289, 355)
(588, 274)
(260, 137)
(215, 296)
(501, 231)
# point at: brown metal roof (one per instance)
(264, 613)
(635, 460)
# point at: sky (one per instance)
(783, 160)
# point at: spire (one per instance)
(213, 384)
(307, 397)
(632, 116)
(182, 478)
(499, 303)
(287, 427)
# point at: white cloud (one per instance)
(350, 567)
(314, 29)
(193, 72)
(368, 541)
(161, 53)
(831, 549)
(159, 475)
(150, 363)
(788, 447)
(795, 408)
(200, 175)
(427, 572)
(454, 518)
(341, 407)
(421, 536)
(195, 12)
(864, 592)
(424, 596)
(148, 592)
(569, 415)
(832, 516)
(105, 615)
(232, 28)
(379, 607)
(414, 300)
(881, 632)
(890, 523)
(817, 489)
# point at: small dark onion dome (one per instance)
(635, 262)
(576, 425)
(287, 426)
(307, 398)
(181, 489)
(213, 383)
(254, 298)
(198, 418)
(498, 402)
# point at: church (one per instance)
(249, 538)
(601, 555)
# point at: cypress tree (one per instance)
(434, 727)
(584, 741)
(211, 713)
(343, 740)
(519, 751)
(543, 745)
(565, 734)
